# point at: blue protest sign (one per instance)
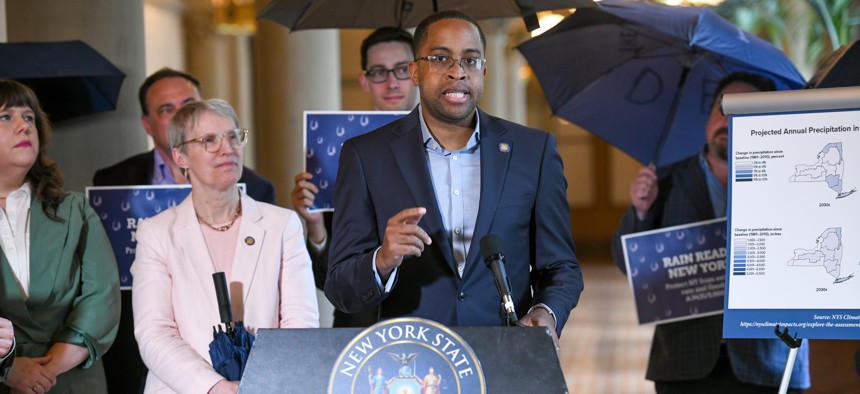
(325, 132)
(121, 209)
(677, 273)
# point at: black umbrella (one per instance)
(231, 343)
(369, 14)
(70, 78)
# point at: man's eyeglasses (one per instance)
(443, 63)
(379, 74)
(237, 138)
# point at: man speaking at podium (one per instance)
(413, 199)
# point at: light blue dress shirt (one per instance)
(161, 174)
(457, 182)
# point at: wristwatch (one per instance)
(547, 309)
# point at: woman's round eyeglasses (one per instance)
(237, 138)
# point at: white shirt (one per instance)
(15, 235)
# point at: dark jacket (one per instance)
(523, 200)
(137, 170)
(689, 349)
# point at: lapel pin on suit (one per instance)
(504, 147)
(249, 241)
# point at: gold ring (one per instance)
(37, 387)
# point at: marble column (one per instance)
(2, 20)
(223, 64)
(504, 89)
(294, 72)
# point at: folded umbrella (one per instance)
(230, 344)
(224, 355)
(242, 342)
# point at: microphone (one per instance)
(494, 257)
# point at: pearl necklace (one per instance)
(224, 227)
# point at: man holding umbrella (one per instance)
(414, 197)
(691, 356)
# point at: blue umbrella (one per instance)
(230, 344)
(641, 76)
(224, 355)
(70, 78)
(242, 342)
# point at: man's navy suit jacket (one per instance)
(523, 201)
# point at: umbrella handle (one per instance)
(670, 118)
(223, 297)
(529, 14)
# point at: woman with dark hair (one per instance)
(60, 286)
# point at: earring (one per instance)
(185, 173)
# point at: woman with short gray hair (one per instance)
(218, 228)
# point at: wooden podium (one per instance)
(513, 359)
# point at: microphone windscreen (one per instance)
(491, 245)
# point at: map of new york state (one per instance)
(826, 254)
(828, 168)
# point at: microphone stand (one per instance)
(793, 344)
(494, 258)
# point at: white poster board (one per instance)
(793, 227)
